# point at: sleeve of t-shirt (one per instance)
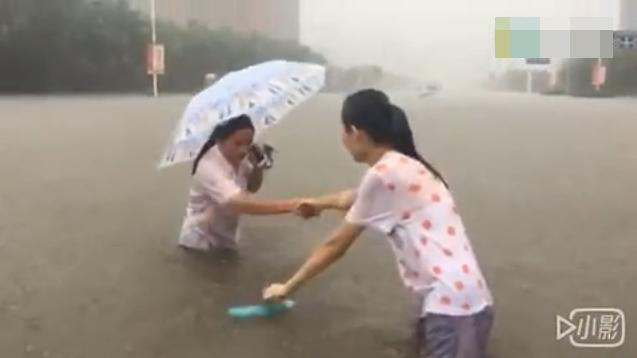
(217, 184)
(373, 205)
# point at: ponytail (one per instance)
(403, 140)
(206, 147)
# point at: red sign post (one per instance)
(599, 74)
(155, 64)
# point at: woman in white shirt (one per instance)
(406, 199)
(224, 176)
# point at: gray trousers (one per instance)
(442, 336)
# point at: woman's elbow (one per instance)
(336, 248)
(339, 253)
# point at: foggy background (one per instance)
(449, 41)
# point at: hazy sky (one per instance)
(450, 39)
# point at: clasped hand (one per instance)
(308, 208)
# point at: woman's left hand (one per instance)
(260, 156)
(308, 208)
(276, 292)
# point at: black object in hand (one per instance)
(262, 155)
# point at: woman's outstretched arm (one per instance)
(322, 257)
(247, 204)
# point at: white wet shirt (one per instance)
(402, 199)
(209, 222)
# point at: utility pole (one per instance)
(153, 20)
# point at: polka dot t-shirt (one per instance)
(402, 199)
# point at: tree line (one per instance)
(79, 46)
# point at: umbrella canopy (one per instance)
(266, 92)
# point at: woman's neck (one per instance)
(376, 154)
(230, 162)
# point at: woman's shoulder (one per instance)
(373, 179)
(394, 166)
(210, 169)
(400, 172)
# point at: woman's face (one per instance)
(235, 147)
(355, 143)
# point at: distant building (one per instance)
(628, 15)
(275, 18)
(626, 37)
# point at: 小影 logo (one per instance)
(593, 327)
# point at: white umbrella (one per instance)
(266, 92)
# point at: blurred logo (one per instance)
(626, 39)
(593, 327)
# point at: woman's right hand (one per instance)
(308, 208)
(276, 292)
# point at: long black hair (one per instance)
(371, 111)
(221, 132)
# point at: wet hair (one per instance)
(371, 111)
(221, 132)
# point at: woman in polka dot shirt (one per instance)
(405, 198)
